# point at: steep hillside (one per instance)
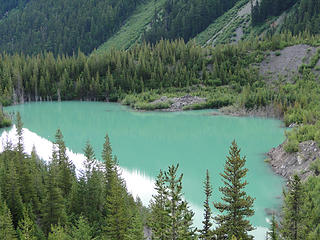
(130, 33)
(305, 17)
(231, 24)
(265, 18)
(6, 6)
(185, 19)
(62, 26)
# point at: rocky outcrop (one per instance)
(178, 103)
(287, 164)
(236, 111)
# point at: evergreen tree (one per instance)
(116, 214)
(54, 206)
(292, 222)
(180, 217)
(58, 233)
(159, 217)
(206, 232)
(6, 227)
(19, 126)
(90, 161)
(82, 230)
(66, 169)
(27, 228)
(135, 228)
(11, 191)
(237, 204)
(273, 233)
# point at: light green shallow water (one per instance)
(149, 141)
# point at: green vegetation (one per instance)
(167, 206)
(237, 206)
(225, 75)
(6, 6)
(185, 19)
(305, 17)
(206, 232)
(61, 26)
(130, 33)
(220, 23)
(266, 8)
(300, 214)
(47, 201)
(4, 119)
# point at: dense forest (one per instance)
(185, 19)
(305, 17)
(266, 8)
(224, 75)
(42, 200)
(4, 119)
(61, 27)
(6, 6)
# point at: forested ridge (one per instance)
(185, 19)
(303, 15)
(61, 27)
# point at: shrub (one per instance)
(291, 146)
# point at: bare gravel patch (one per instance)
(286, 62)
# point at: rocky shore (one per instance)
(267, 111)
(287, 164)
(283, 163)
(178, 103)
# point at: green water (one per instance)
(149, 141)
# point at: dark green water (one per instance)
(149, 141)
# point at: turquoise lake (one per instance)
(149, 141)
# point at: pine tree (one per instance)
(54, 206)
(116, 217)
(27, 228)
(90, 160)
(206, 232)
(180, 216)
(11, 191)
(135, 229)
(66, 169)
(19, 126)
(273, 233)
(159, 217)
(82, 230)
(237, 204)
(58, 233)
(292, 224)
(6, 227)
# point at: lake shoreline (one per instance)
(282, 163)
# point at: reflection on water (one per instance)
(138, 184)
(146, 142)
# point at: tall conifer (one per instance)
(206, 232)
(237, 205)
(292, 224)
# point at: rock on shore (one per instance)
(178, 103)
(287, 164)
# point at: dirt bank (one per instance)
(287, 164)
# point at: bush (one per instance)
(277, 53)
(291, 146)
(5, 123)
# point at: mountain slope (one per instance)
(225, 25)
(62, 26)
(130, 33)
